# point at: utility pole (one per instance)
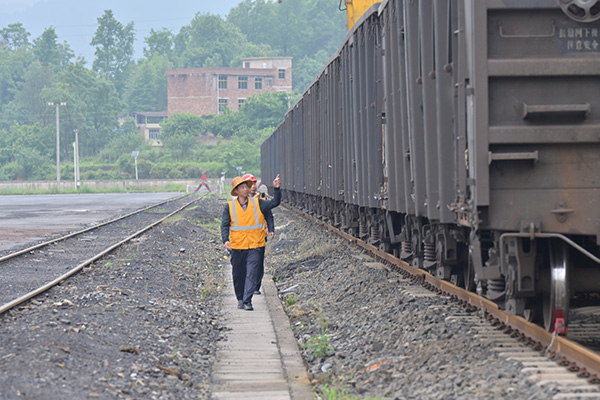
(76, 159)
(135, 155)
(57, 143)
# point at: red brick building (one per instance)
(201, 91)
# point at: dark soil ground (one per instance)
(142, 323)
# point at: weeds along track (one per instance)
(33, 270)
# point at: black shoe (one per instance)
(257, 292)
(240, 304)
(248, 307)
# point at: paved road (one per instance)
(28, 219)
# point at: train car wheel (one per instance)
(556, 296)
(533, 310)
(529, 314)
(463, 277)
(581, 10)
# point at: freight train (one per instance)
(462, 136)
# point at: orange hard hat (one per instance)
(249, 177)
(237, 181)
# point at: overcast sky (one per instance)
(76, 21)
(12, 6)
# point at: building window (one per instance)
(222, 81)
(258, 83)
(282, 74)
(242, 82)
(153, 134)
(240, 102)
(268, 82)
(222, 105)
(246, 64)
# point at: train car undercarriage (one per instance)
(531, 274)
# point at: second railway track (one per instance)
(30, 271)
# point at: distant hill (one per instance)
(75, 21)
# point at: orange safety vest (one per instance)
(247, 228)
(263, 196)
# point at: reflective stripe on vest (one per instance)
(236, 227)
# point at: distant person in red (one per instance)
(203, 183)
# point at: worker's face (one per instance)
(253, 189)
(243, 190)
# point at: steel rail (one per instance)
(76, 269)
(70, 235)
(578, 356)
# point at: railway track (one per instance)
(577, 353)
(31, 271)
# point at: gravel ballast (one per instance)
(368, 332)
(141, 323)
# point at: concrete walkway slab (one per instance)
(259, 357)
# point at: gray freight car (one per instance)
(464, 137)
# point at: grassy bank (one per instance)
(172, 187)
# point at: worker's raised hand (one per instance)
(277, 182)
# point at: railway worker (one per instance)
(269, 230)
(243, 234)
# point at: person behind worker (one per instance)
(260, 195)
(269, 230)
(243, 234)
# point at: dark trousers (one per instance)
(246, 267)
(261, 268)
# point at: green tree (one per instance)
(146, 88)
(209, 41)
(28, 105)
(127, 139)
(159, 43)
(307, 68)
(229, 154)
(179, 133)
(15, 58)
(93, 107)
(254, 18)
(258, 112)
(31, 164)
(114, 49)
(14, 36)
(296, 28)
(49, 52)
(266, 110)
(35, 137)
(6, 150)
(25, 152)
